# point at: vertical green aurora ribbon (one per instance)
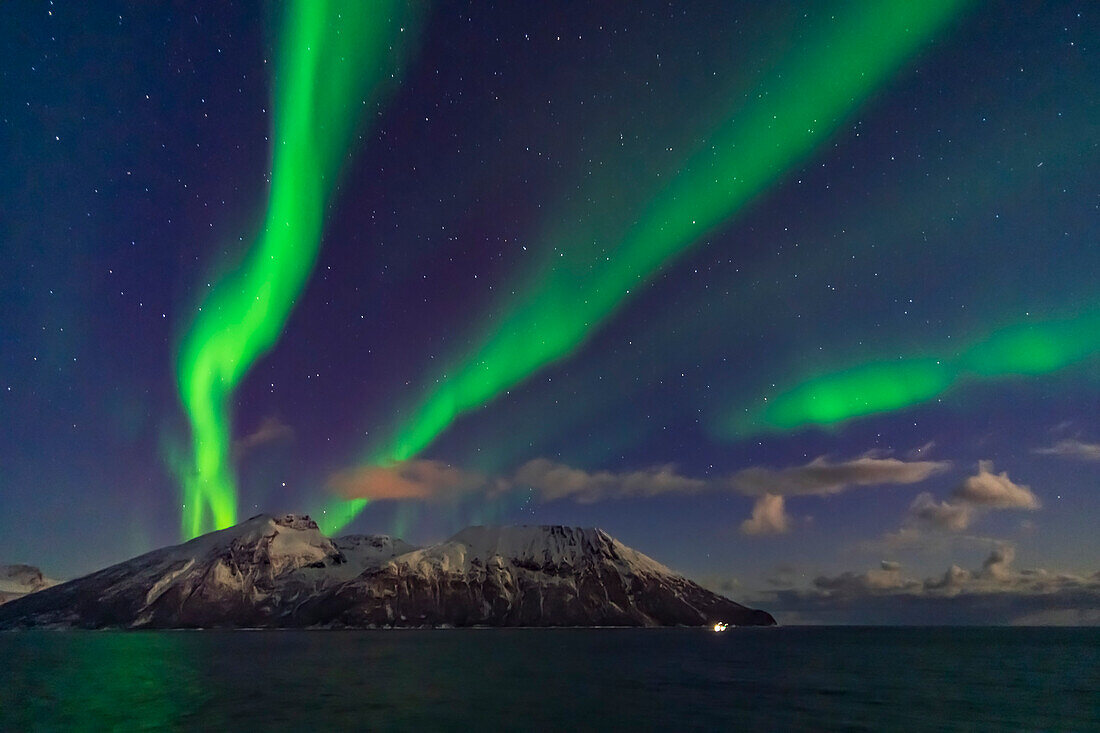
(334, 58)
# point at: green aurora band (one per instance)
(1025, 349)
(806, 98)
(334, 55)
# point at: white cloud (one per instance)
(995, 490)
(768, 517)
(975, 495)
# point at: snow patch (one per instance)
(166, 581)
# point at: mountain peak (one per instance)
(278, 542)
(296, 521)
(549, 546)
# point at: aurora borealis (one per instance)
(331, 58)
(1022, 349)
(259, 255)
(808, 95)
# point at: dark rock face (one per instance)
(283, 573)
(393, 597)
(599, 586)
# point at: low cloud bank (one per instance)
(553, 480)
(995, 593)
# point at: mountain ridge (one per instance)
(282, 572)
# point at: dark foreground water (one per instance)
(526, 679)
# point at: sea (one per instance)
(771, 679)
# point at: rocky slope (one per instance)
(282, 572)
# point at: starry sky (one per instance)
(798, 298)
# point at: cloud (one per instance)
(924, 538)
(996, 593)
(558, 481)
(953, 580)
(819, 477)
(995, 490)
(553, 480)
(270, 430)
(427, 479)
(996, 571)
(998, 565)
(768, 517)
(1072, 448)
(887, 576)
(412, 479)
(955, 516)
(970, 499)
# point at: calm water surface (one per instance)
(839, 678)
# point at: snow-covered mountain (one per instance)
(17, 581)
(282, 572)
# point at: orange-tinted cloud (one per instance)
(412, 479)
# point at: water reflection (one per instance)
(565, 679)
(81, 680)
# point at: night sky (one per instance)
(800, 299)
